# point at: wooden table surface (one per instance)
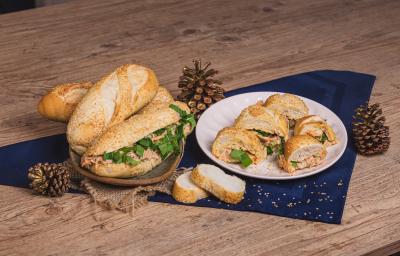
(249, 41)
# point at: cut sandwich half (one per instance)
(301, 152)
(137, 145)
(316, 127)
(270, 127)
(236, 145)
(288, 105)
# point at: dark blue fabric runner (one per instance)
(320, 197)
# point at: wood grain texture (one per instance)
(249, 42)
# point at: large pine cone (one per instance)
(371, 136)
(199, 89)
(49, 179)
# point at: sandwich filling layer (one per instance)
(158, 145)
(272, 142)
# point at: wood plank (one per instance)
(249, 42)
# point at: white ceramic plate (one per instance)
(223, 114)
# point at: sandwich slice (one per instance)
(137, 145)
(301, 152)
(236, 145)
(288, 105)
(269, 126)
(316, 127)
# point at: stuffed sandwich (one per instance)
(269, 126)
(301, 152)
(137, 145)
(236, 145)
(316, 127)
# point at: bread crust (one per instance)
(261, 118)
(218, 191)
(287, 104)
(186, 195)
(314, 122)
(59, 103)
(235, 138)
(163, 97)
(110, 101)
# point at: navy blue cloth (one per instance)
(319, 198)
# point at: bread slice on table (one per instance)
(227, 188)
(185, 191)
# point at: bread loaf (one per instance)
(110, 101)
(59, 103)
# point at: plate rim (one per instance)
(263, 177)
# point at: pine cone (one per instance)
(370, 134)
(49, 179)
(199, 89)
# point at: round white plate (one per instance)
(223, 114)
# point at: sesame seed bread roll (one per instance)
(231, 138)
(126, 134)
(59, 103)
(185, 191)
(227, 188)
(288, 105)
(110, 101)
(301, 152)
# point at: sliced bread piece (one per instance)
(227, 188)
(185, 191)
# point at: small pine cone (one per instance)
(370, 134)
(49, 179)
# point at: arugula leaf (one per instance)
(181, 112)
(108, 156)
(145, 142)
(129, 160)
(165, 150)
(160, 131)
(117, 157)
(269, 150)
(262, 133)
(139, 150)
(241, 156)
(294, 163)
(190, 119)
(323, 138)
(281, 146)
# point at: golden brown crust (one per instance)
(216, 189)
(308, 124)
(135, 128)
(259, 117)
(287, 104)
(162, 98)
(59, 103)
(185, 195)
(236, 138)
(113, 99)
